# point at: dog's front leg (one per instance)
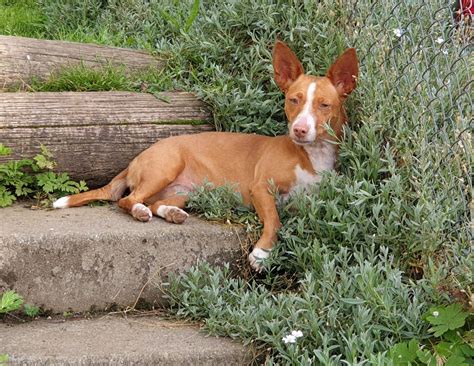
(264, 204)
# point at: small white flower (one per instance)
(297, 333)
(435, 313)
(289, 339)
(398, 32)
(439, 40)
(444, 52)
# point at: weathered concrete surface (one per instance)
(116, 341)
(92, 257)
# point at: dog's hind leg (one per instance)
(144, 186)
(171, 208)
(133, 204)
(111, 192)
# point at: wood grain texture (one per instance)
(23, 58)
(94, 135)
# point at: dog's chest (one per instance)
(322, 157)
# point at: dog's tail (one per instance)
(111, 192)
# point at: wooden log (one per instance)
(94, 135)
(23, 58)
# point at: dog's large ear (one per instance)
(344, 71)
(286, 65)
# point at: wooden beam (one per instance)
(94, 135)
(21, 58)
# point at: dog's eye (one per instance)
(324, 106)
(294, 101)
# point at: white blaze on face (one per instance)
(306, 118)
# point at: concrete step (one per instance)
(90, 258)
(113, 340)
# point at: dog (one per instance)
(161, 177)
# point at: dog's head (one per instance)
(312, 102)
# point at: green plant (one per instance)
(20, 18)
(351, 305)
(178, 20)
(76, 15)
(31, 310)
(10, 301)
(4, 359)
(107, 78)
(82, 78)
(452, 343)
(219, 203)
(34, 177)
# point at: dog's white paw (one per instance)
(141, 212)
(62, 202)
(172, 214)
(257, 257)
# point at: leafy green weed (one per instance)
(453, 344)
(34, 177)
(11, 302)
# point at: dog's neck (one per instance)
(322, 154)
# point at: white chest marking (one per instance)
(304, 178)
(322, 157)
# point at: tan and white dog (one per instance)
(160, 177)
